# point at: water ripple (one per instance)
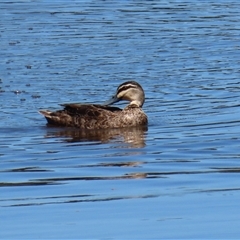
(186, 57)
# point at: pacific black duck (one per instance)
(94, 116)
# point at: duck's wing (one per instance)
(80, 115)
(87, 109)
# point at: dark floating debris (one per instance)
(13, 43)
(17, 91)
(36, 96)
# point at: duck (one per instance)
(103, 116)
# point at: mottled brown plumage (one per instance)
(93, 116)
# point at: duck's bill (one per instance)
(112, 100)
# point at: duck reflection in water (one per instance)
(133, 136)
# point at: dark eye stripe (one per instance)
(130, 82)
(125, 87)
(128, 85)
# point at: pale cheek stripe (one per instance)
(125, 87)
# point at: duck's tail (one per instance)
(58, 118)
(51, 117)
(45, 113)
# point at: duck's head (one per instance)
(130, 91)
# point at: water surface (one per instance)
(177, 178)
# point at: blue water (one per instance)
(178, 178)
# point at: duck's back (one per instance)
(95, 116)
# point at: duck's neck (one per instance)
(135, 103)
